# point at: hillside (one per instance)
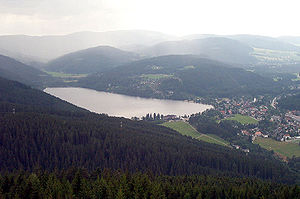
(14, 70)
(41, 138)
(22, 98)
(217, 48)
(45, 48)
(91, 60)
(178, 77)
(290, 102)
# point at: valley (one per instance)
(148, 112)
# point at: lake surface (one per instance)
(123, 105)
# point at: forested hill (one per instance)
(59, 140)
(22, 98)
(15, 70)
(179, 77)
(91, 60)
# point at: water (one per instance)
(123, 105)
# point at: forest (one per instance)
(79, 183)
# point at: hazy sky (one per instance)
(178, 17)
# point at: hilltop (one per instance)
(91, 60)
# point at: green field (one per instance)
(185, 128)
(156, 76)
(286, 149)
(243, 119)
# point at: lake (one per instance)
(123, 105)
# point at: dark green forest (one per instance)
(79, 183)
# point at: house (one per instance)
(286, 137)
(170, 117)
(244, 132)
(265, 136)
(258, 133)
(246, 150)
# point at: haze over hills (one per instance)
(36, 50)
(178, 77)
(291, 39)
(46, 48)
(91, 60)
(284, 43)
(218, 48)
(264, 42)
(15, 70)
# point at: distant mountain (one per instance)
(290, 39)
(264, 42)
(91, 60)
(15, 70)
(26, 59)
(178, 77)
(46, 48)
(217, 48)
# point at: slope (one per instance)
(14, 70)
(91, 60)
(178, 77)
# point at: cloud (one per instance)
(51, 8)
(170, 16)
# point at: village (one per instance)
(272, 122)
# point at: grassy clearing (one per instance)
(186, 129)
(66, 75)
(219, 139)
(183, 128)
(156, 76)
(188, 67)
(286, 149)
(243, 119)
(210, 138)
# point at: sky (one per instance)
(175, 17)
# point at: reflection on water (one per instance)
(122, 105)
